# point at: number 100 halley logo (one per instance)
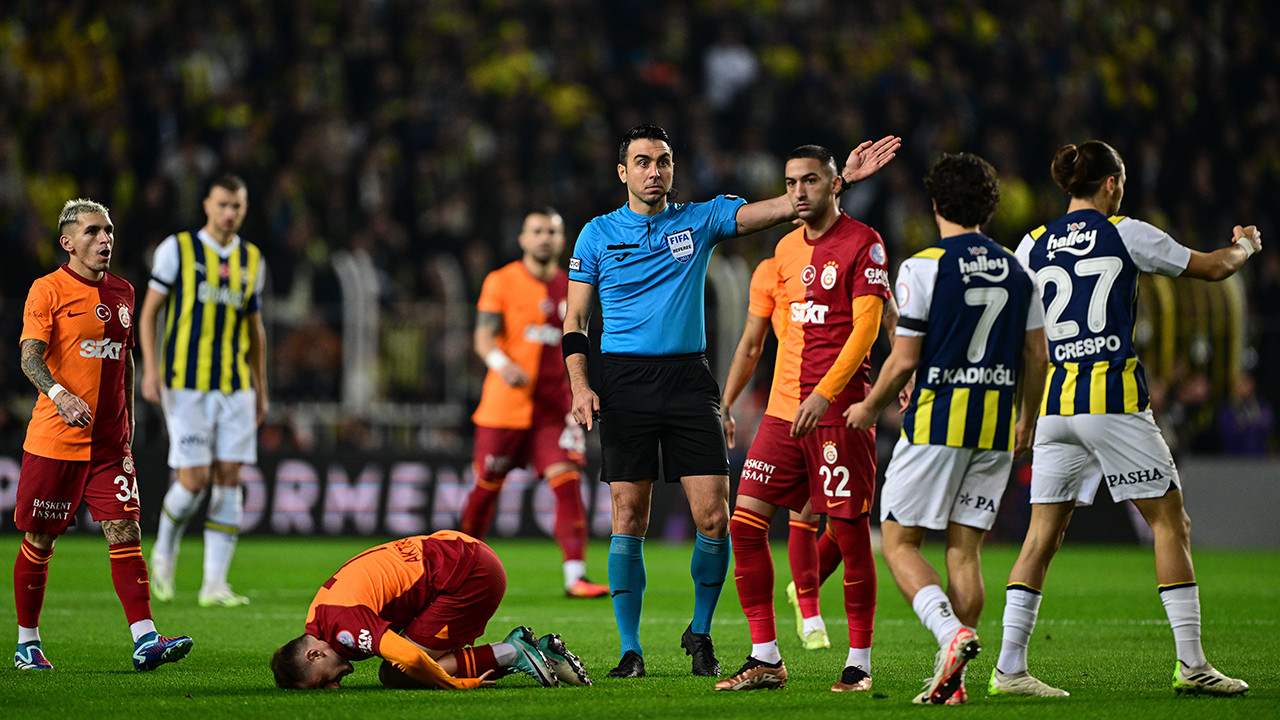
(681, 244)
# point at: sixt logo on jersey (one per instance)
(809, 312)
(105, 349)
(1075, 237)
(983, 266)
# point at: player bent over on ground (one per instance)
(418, 603)
(77, 325)
(967, 309)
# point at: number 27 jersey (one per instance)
(1087, 267)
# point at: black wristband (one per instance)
(573, 343)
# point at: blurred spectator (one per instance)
(440, 123)
(1245, 421)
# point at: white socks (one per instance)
(934, 610)
(861, 658)
(1182, 605)
(814, 623)
(504, 654)
(26, 635)
(766, 652)
(574, 570)
(178, 506)
(1021, 606)
(142, 627)
(221, 530)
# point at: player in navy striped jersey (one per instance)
(972, 324)
(1096, 423)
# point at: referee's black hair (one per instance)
(645, 131)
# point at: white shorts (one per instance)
(1076, 453)
(204, 426)
(932, 485)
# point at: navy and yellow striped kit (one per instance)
(966, 393)
(206, 339)
(1093, 366)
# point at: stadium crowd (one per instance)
(411, 130)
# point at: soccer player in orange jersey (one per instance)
(418, 603)
(77, 342)
(832, 278)
(523, 416)
(813, 556)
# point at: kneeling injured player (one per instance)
(419, 603)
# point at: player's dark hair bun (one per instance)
(1081, 169)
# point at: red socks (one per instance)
(129, 575)
(854, 538)
(478, 512)
(753, 572)
(802, 551)
(475, 661)
(571, 516)
(30, 575)
(829, 557)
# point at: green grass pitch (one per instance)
(1102, 635)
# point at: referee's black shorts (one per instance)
(668, 404)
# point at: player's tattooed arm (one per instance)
(70, 407)
(490, 321)
(33, 364)
(120, 531)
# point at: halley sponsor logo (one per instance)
(1086, 347)
(1134, 477)
(1070, 243)
(681, 244)
(998, 375)
(877, 276)
(187, 441)
(809, 312)
(104, 349)
(758, 471)
(989, 268)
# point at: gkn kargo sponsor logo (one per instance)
(103, 349)
(877, 276)
(809, 312)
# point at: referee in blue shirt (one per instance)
(647, 262)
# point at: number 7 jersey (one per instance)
(1087, 267)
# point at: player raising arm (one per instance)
(646, 262)
(1096, 420)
